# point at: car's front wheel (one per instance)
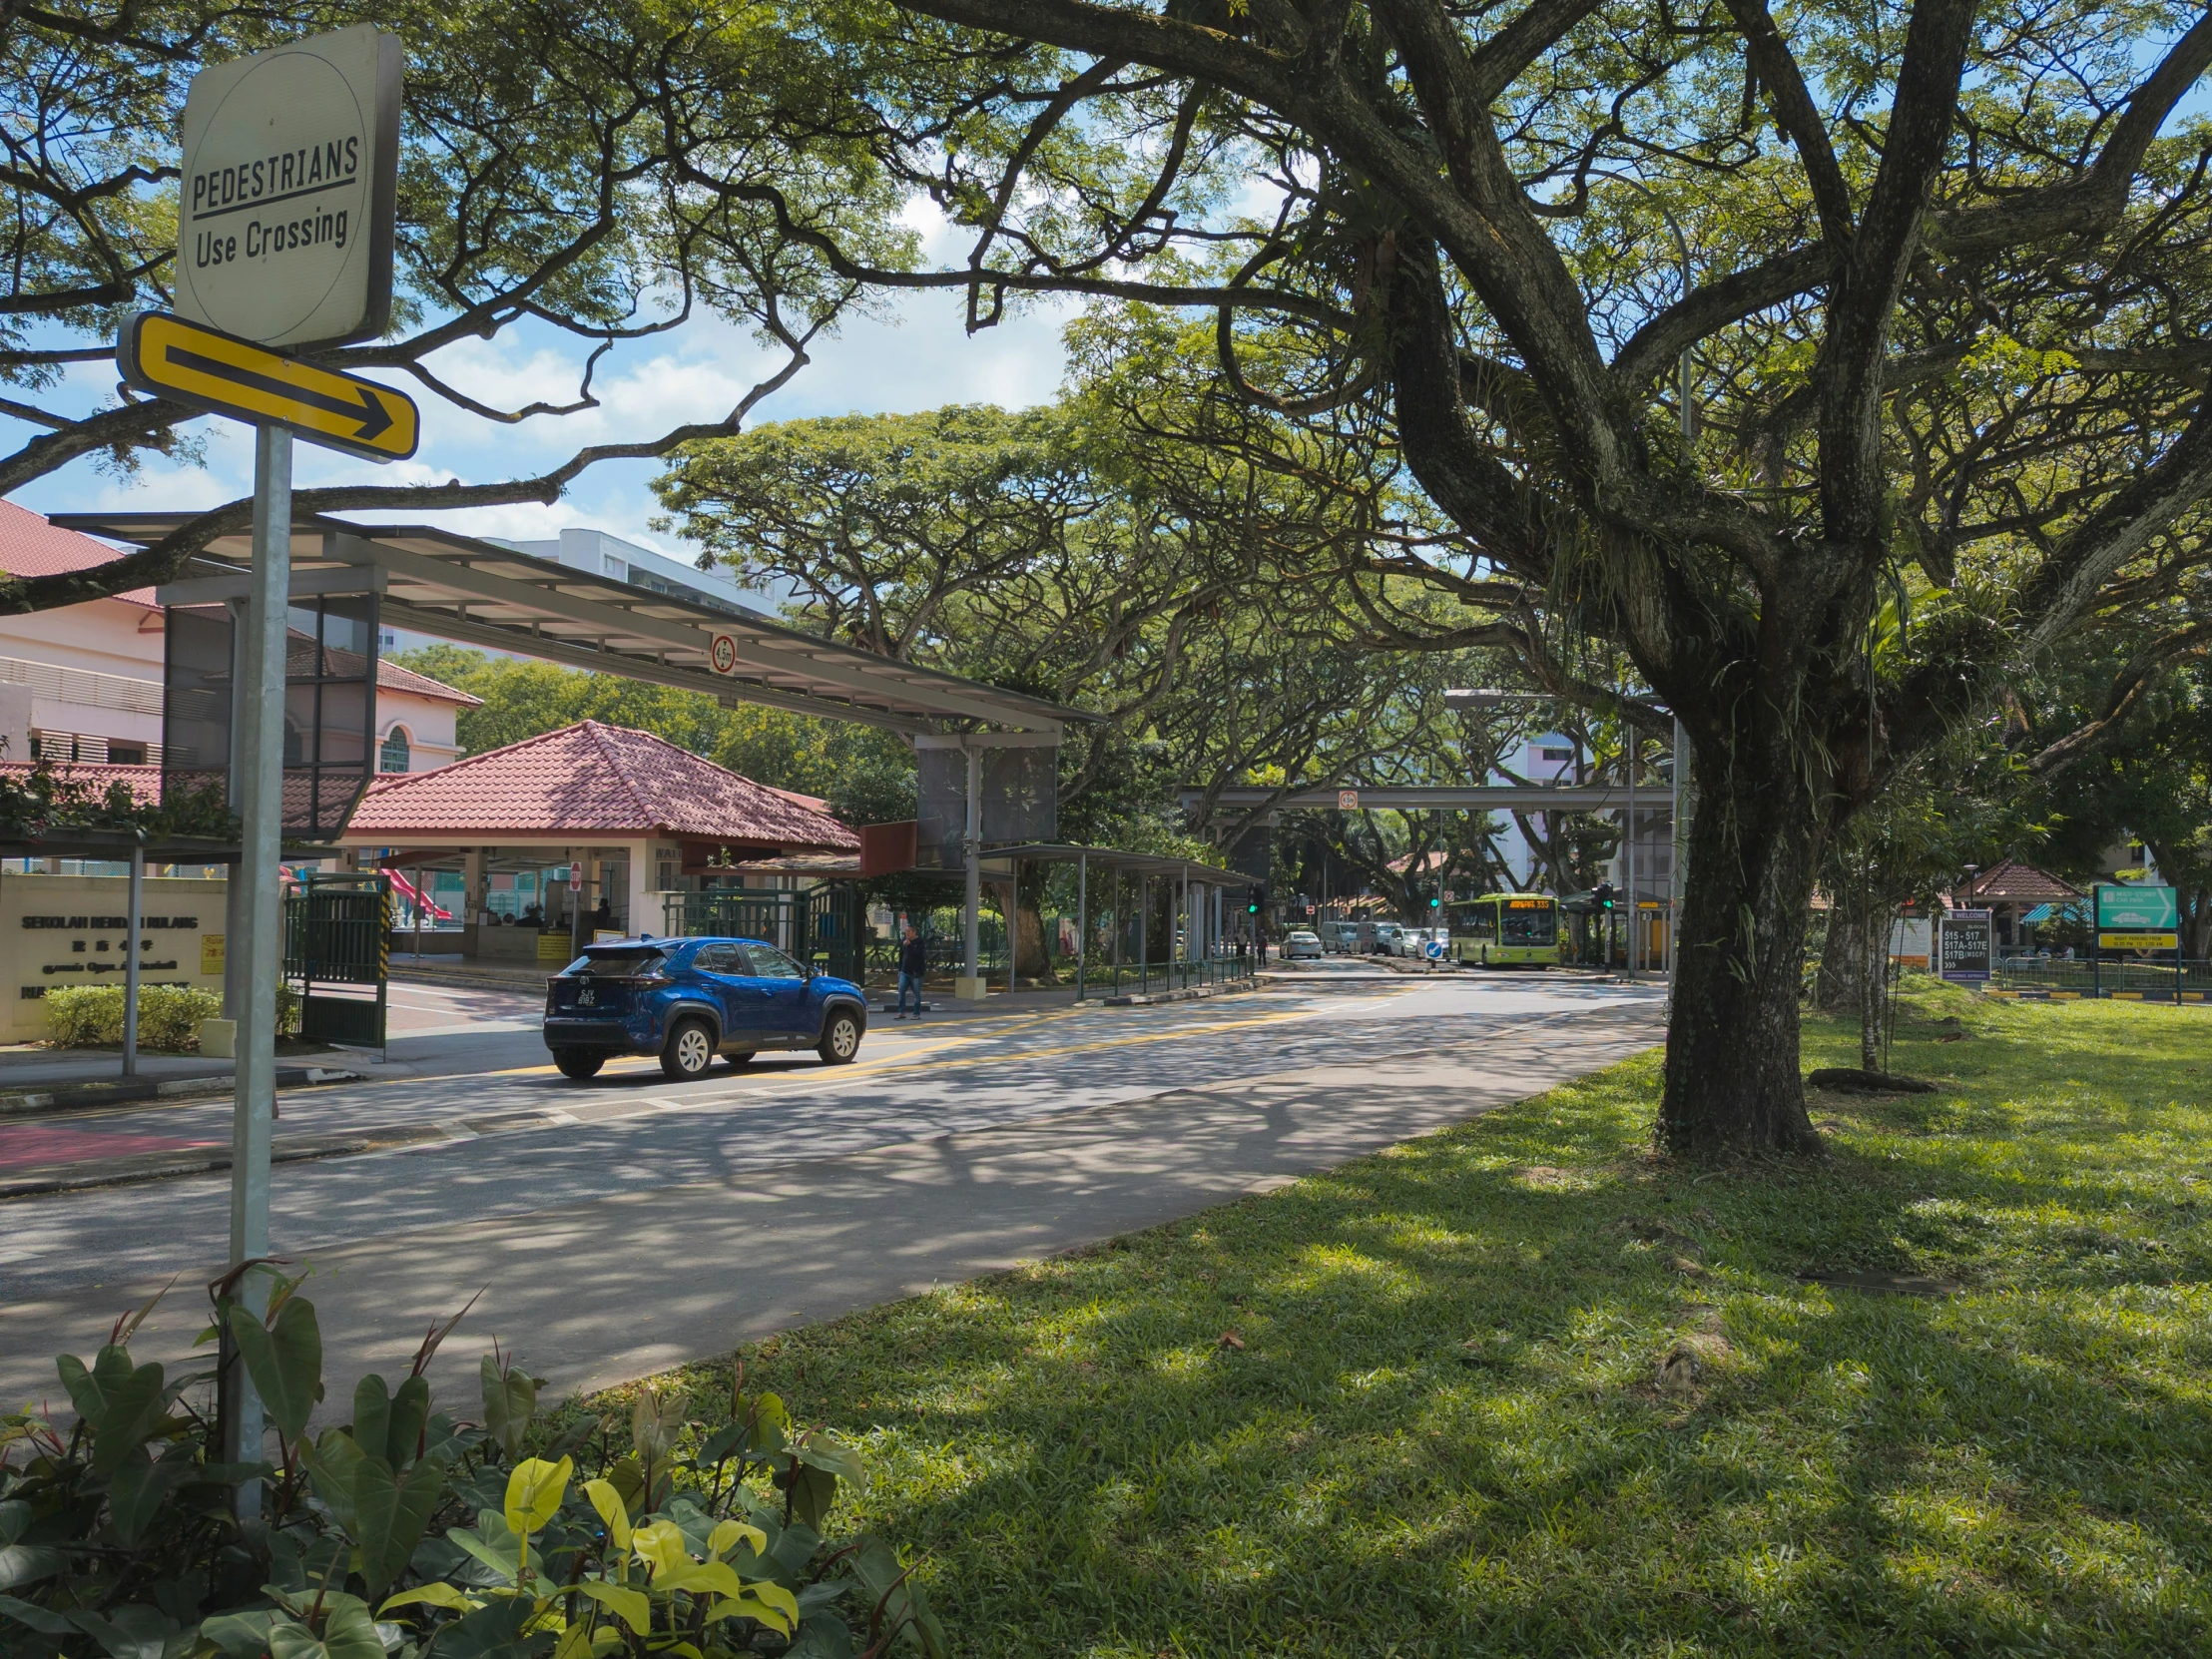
(689, 1050)
(579, 1063)
(840, 1038)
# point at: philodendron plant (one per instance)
(408, 1534)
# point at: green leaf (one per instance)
(15, 1516)
(333, 1461)
(507, 1563)
(348, 1633)
(372, 1417)
(37, 1617)
(822, 1451)
(27, 1564)
(121, 1403)
(284, 1360)
(813, 1490)
(390, 1515)
(411, 1417)
(494, 1632)
(129, 1632)
(140, 1486)
(240, 1635)
(509, 1400)
(823, 1636)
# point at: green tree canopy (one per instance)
(1940, 334)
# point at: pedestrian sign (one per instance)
(169, 358)
(288, 189)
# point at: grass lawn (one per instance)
(1522, 1388)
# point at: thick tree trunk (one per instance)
(1874, 982)
(1032, 960)
(1732, 1083)
(1836, 986)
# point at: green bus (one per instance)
(1506, 929)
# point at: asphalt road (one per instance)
(619, 1224)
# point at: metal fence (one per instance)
(1146, 978)
(2152, 981)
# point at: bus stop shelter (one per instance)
(1205, 924)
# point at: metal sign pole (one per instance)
(1634, 743)
(973, 922)
(260, 771)
(131, 962)
(1083, 920)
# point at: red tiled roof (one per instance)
(594, 780)
(2014, 883)
(28, 546)
(391, 677)
(145, 781)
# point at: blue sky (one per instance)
(914, 354)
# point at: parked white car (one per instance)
(1299, 943)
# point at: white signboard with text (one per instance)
(290, 167)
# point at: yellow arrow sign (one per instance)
(170, 357)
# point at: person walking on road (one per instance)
(913, 960)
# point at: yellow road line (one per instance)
(918, 1061)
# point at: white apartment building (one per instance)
(1552, 757)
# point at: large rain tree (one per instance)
(1940, 346)
(549, 190)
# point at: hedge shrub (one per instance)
(90, 1017)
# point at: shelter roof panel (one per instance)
(474, 592)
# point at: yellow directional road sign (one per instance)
(179, 360)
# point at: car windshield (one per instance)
(634, 964)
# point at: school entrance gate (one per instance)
(338, 934)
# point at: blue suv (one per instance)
(688, 1000)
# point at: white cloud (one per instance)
(913, 356)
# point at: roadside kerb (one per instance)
(78, 1097)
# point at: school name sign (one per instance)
(290, 170)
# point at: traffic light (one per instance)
(1256, 901)
(1604, 895)
(1435, 901)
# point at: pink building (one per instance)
(83, 683)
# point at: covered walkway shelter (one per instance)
(473, 592)
(1207, 939)
(589, 817)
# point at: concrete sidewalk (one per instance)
(595, 1292)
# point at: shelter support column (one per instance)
(475, 895)
(971, 986)
(644, 915)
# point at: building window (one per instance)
(127, 754)
(395, 754)
(1557, 754)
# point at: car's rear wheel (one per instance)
(689, 1050)
(579, 1063)
(840, 1038)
